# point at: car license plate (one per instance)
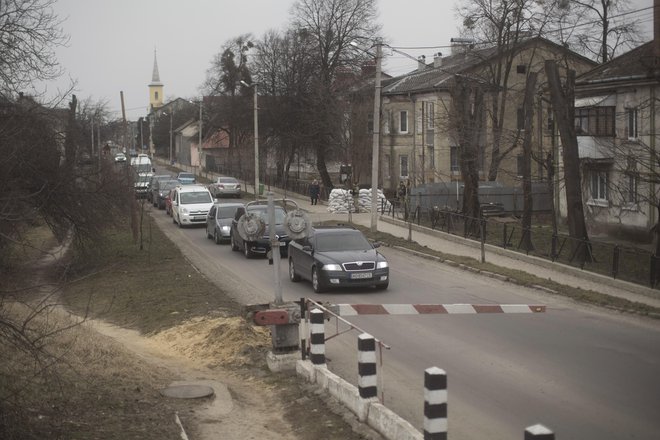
(361, 275)
(199, 217)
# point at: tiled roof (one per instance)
(638, 63)
(436, 77)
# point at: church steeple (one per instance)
(155, 87)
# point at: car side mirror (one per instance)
(376, 244)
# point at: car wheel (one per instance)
(293, 276)
(234, 246)
(316, 281)
(216, 237)
(246, 250)
(209, 236)
(382, 286)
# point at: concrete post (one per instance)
(367, 378)
(317, 337)
(435, 404)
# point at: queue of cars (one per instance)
(329, 257)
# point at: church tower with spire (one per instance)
(155, 88)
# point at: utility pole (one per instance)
(376, 140)
(123, 115)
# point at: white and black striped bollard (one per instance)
(435, 404)
(317, 337)
(538, 432)
(367, 378)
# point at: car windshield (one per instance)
(262, 211)
(189, 198)
(186, 176)
(226, 211)
(342, 242)
(143, 167)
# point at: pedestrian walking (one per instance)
(314, 190)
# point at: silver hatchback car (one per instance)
(218, 221)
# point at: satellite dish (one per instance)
(251, 226)
(297, 224)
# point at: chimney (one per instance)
(437, 58)
(461, 45)
(421, 61)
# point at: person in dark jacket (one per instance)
(314, 191)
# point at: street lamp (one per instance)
(256, 138)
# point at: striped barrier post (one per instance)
(435, 404)
(317, 337)
(367, 378)
(538, 432)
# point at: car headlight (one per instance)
(225, 228)
(382, 265)
(331, 267)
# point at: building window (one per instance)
(388, 166)
(430, 115)
(594, 121)
(370, 123)
(521, 68)
(599, 185)
(386, 121)
(403, 166)
(631, 123)
(403, 122)
(453, 159)
(156, 95)
(521, 118)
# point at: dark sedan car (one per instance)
(161, 190)
(218, 221)
(262, 245)
(337, 257)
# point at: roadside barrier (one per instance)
(317, 337)
(367, 378)
(423, 309)
(435, 404)
(363, 399)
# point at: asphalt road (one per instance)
(583, 372)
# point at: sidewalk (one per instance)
(453, 245)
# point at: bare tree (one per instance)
(599, 29)
(468, 103)
(503, 25)
(29, 33)
(331, 26)
(564, 112)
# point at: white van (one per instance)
(190, 205)
(142, 164)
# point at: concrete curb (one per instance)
(578, 273)
(377, 416)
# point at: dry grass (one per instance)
(74, 381)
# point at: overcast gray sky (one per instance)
(112, 42)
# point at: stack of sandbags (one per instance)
(365, 200)
(340, 201)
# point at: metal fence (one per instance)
(623, 262)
